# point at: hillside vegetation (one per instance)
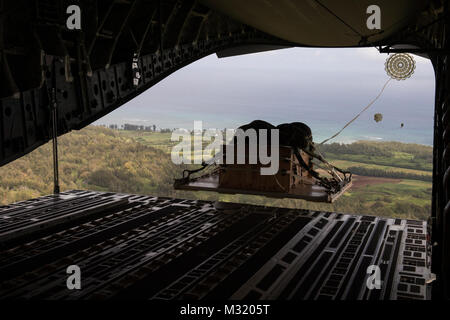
(394, 178)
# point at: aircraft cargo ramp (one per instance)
(143, 247)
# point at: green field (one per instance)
(345, 164)
(139, 162)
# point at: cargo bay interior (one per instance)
(56, 80)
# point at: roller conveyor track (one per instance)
(141, 247)
(23, 220)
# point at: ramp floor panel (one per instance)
(143, 247)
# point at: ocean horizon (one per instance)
(321, 88)
(356, 132)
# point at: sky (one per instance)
(322, 87)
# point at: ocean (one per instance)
(322, 88)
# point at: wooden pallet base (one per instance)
(306, 192)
